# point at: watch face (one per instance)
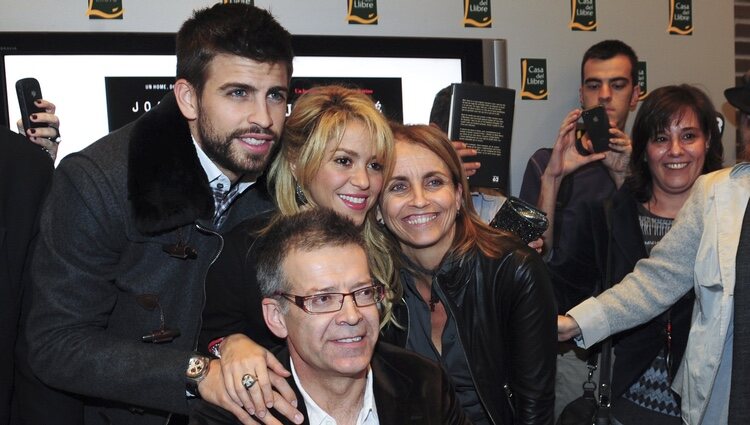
(196, 367)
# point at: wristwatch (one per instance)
(197, 370)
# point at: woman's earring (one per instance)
(300, 195)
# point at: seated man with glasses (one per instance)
(320, 297)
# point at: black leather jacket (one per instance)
(506, 318)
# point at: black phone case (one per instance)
(596, 122)
(28, 91)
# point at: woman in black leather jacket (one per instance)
(475, 299)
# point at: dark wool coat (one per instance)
(103, 278)
(25, 175)
(233, 298)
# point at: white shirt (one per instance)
(368, 415)
(216, 179)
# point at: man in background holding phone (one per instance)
(561, 180)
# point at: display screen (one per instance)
(98, 93)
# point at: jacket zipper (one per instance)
(466, 358)
(205, 274)
(403, 300)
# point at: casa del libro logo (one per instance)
(477, 13)
(642, 80)
(680, 17)
(364, 12)
(105, 9)
(534, 75)
(582, 15)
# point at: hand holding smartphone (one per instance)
(28, 92)
(596, 122)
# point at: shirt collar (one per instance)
(368, 415)
(740, 169)
(214, 174)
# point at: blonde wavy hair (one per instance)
(319, 116)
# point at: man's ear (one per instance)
(580, 97)
(187, 99)
(635, 96)
(274, 317)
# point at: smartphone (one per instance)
(28, 91)
(596, 123)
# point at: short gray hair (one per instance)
(306, 231)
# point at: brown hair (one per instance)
(471, 232)
(235, 29)
(662, 107)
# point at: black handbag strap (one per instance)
(605, 371)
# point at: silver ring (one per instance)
(56, 138)
(248, 381)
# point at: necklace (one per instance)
(433, 300)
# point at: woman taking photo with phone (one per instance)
(475, 299)
(675, 140)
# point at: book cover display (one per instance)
(482, 117)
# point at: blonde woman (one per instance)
(335, 151)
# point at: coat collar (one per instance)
(167, 186)
(391, 387)
(455, 273)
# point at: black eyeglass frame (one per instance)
(300, 301)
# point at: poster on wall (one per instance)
(534, 79)
(642, 80)
(680, 17)
(105, 9)
(582, 15)
(477, 14)
(385, 92)
(130, 97)
(362, 12)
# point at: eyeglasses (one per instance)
(333, 301)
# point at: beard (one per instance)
(219, 147)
